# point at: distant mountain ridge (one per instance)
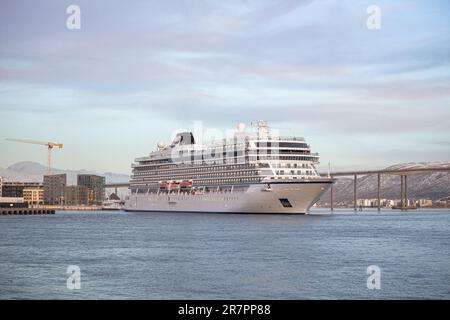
(30, 171)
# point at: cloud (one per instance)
(310, 65)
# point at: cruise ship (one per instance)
(251, 172)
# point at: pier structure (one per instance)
(25, 211)
(402, 173)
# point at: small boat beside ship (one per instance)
(113, 202)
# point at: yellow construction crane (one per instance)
(50, 146)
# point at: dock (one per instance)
(25, 211)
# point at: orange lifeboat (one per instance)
(163, 185)
(186, 184)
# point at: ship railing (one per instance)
(286, 138)
(233, 140)
(142, 158)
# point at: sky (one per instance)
(136, 71)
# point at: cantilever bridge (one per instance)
(403, 173)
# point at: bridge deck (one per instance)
(385, 171)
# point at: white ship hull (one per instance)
(301, 196)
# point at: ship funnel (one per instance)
(184, 138)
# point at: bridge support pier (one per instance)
(402, 187)
(379, 192)
(406, 190)
(331, 197)
(403, 192)
(354, 192)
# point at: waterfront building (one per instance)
(14, 189)
(76, 195)
(425, 202)
(54, 189)
(95, 185)
(34, 195)
(113, 196)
